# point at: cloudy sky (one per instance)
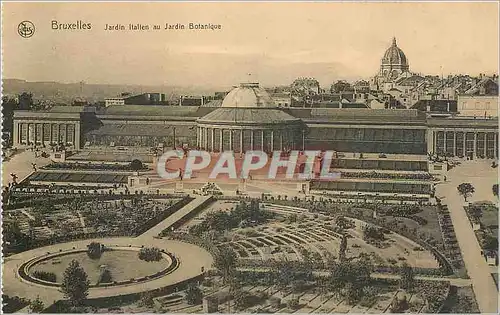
(275, 42)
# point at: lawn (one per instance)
(489, 218)
(123, 265)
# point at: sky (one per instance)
(271, 43)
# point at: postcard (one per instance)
(250, 157)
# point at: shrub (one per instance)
(136, 165)
(46, 276)
(147, 300)
(106, 277)
(293, 303)
(275, 301)
(95, 250)
(193, 295)
(150, 254)
(207, 282)
(399, 304)
(373, 233)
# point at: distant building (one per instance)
(140, 99)
(436, 106)
(305, 86)
(361, 86)
(394, 66)
(282, 99)
(190, 100)
(114, 101)
(478, 105)
(486, 86)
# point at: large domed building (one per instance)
(394, 62)
(249, 119)
(394, 66)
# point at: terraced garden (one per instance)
(295, 232)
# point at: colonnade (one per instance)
(27, 133)
(472, 143)
(241, 139)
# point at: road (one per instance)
(482, 177)
(20, 164)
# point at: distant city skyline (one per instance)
(275, 42)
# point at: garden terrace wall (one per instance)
(369, 186)
(380, 164)
(91, 166)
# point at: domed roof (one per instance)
(394, 55)
(248, 95)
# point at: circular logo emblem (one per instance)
(26, 29)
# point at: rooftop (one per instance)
(248, 116)
(154, 111)
(400, 116)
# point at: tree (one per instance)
(136, 165)
(225, 261)
(407, 280)
(347, 279)
(94, 250)
(399, 304)
(13, 235)
(293, 303)
(106, 277)
(342, 248)
(25, 100)
(147, 300)
(466, 190)
(371, 232)
(75, 285)
(193, 294)
(343, 223)
(495, 190)
(8, 107)
(341, 86)
(36, 306)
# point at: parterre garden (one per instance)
(81, 218)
